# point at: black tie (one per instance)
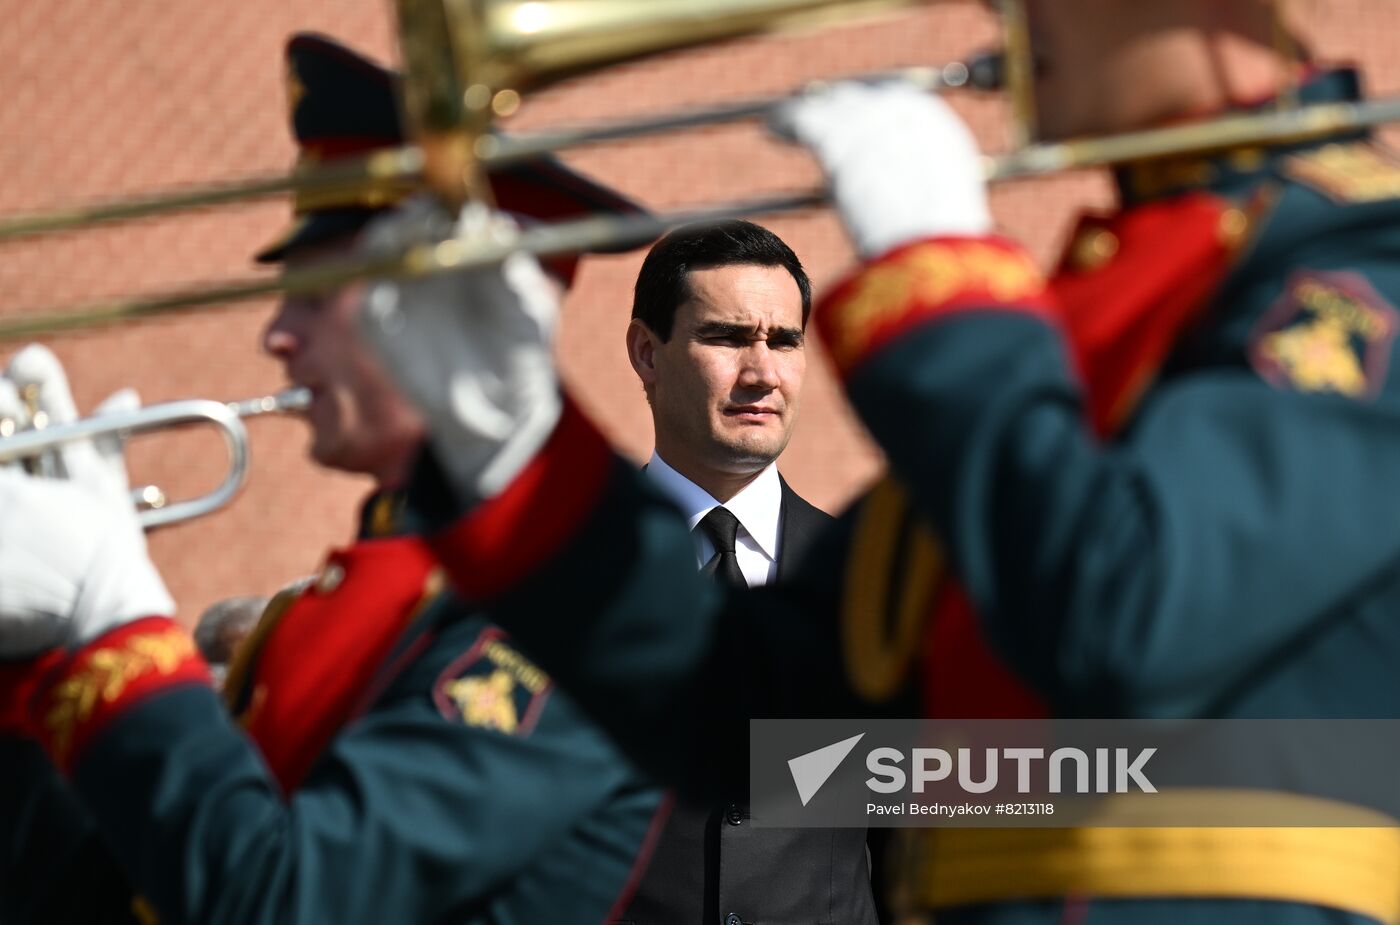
(722, 528)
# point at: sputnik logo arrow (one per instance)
(813, 769)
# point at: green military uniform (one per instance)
(389, 755)
(1159, 486)
(446, 780)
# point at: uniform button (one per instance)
(734, 815)
(1234, 228)
(1092, 249)
(330, 578)
(733, 919)
(1247, 160)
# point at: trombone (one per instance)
(154, 509)
(621, 233)
(981, 72)
(466, 64)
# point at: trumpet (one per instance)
(154, 509)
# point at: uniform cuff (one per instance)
(106, 677)
(20, 683)
(923, 281)
(504, 538)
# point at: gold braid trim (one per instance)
(921, 278)
(877, 662)
(102, 675)
(1349, 861)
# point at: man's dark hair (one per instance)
(664, 282)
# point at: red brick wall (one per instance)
(111, 98)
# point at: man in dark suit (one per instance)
(717, 339)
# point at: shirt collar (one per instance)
(758, 506)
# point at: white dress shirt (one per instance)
(758, 508)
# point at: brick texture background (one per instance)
(107, 99)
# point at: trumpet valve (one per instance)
(38, 418)
(148, 498)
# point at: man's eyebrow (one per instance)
(733, 329)
(723, 329)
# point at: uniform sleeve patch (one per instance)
(1329, 332)
(1347, 173)
(493, 686)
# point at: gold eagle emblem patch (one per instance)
(1331, 332)
(486, 702)
(492, 686)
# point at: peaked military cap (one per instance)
(343, 106)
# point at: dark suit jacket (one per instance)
(711, 865)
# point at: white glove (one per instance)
(73, 560)
(14, 415)
(473, 349)
(98, 461)
(901, 165)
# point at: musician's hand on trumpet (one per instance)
(472, 349)
(38, 380)
(14, 415)
(73, 560)
(901, 164)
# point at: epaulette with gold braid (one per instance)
(1348, 172)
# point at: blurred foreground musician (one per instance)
(1158, 482)
(410, 764)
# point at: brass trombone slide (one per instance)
(1248, 129)
(382, 167)
(154, 508)
(570, 237)
(980, 72)
(491, 151)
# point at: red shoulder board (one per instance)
(317, 661)
(1130, 284)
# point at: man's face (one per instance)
(725, 388)
(359, 422)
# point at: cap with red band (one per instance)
(345, 106)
